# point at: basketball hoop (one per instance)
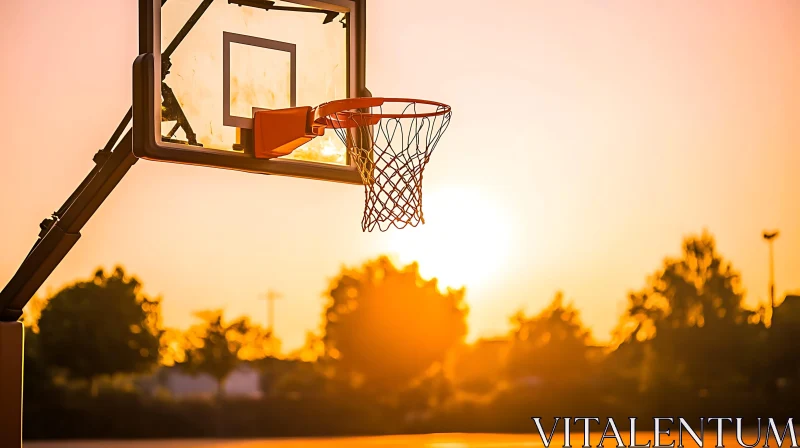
(391, 141)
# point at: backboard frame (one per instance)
(147, 142)
(229, 39)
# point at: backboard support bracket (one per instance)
(59, 232)
(173, 111)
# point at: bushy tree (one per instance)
(385, 326)
(101, 326)
(552, 346)
(698, 289)
(688, 325)
(217, 348)
(477, 368)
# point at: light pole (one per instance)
(769, 237)
(270, 297)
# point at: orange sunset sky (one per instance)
(588, 138)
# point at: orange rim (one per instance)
(344, 111)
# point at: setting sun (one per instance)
(464, 242)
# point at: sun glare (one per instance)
(465, 240)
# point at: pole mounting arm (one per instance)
(59, 232)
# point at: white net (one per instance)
(391, 151)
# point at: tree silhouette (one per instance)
(101, 326)
(551, 346)
(478, 368)
(699, 289)
(684, 323)
(217, 348)
(385, 325)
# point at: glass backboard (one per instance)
(207, 65)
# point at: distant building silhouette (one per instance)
(788, 313)
(783, 337)
(243, 382)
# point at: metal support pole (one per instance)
(12, 337)
(772, 277)
(769, 237)
(271, 296)
(58, 234)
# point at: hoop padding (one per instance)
(391, 141)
